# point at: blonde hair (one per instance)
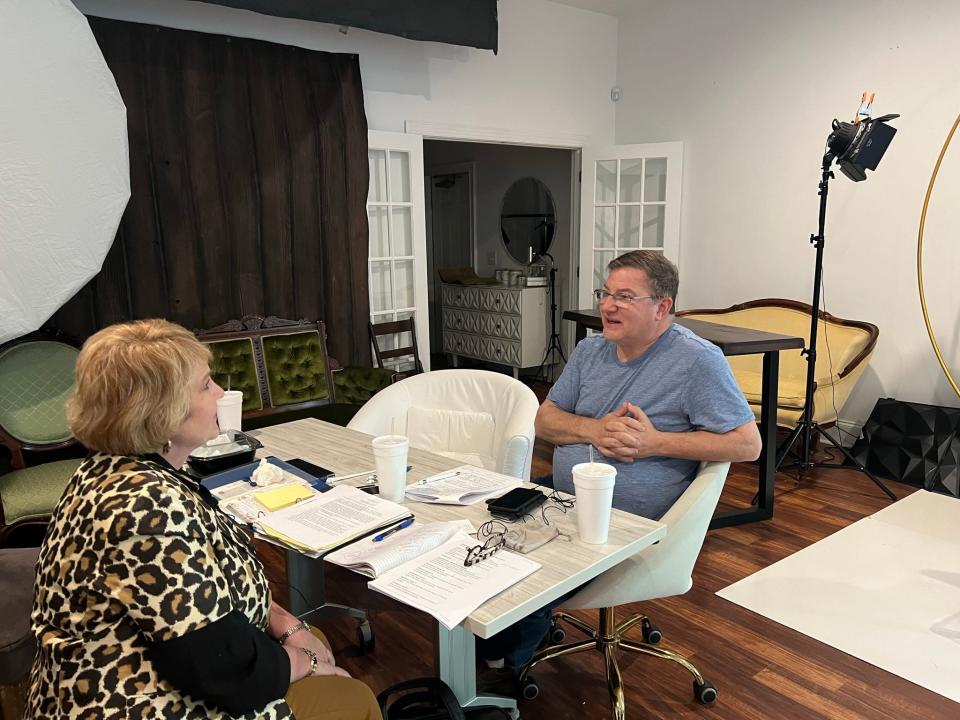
(133, 389)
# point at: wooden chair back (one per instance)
(400, 330)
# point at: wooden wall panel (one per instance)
(272, 152)
(355, 145)
(304, 195)
(172, 198)
(238, 169)
(248, 167)
(200, 132)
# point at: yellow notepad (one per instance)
(284, 496)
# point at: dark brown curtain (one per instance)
(248, 173)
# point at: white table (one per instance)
(565, 565)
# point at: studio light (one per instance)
(857, 147)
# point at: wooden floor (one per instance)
(761, 669)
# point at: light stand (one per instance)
(807, 429)
(553, 344)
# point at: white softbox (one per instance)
(64, 168)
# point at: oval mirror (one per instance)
(527, 219)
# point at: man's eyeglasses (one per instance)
(621, 298)
(492, 536)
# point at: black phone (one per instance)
(320, 473)
(516, 503)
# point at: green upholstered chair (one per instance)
(36, 378)
(285, 373)
(234, 367)
(297, 367)
(356, 385)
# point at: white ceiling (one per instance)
(616, 8)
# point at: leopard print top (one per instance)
(133, 556)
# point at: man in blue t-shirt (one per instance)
(651, 397)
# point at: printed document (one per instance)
(373, 559)
(464, 485)
(326, 521)
(438, 582)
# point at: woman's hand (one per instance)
(304, 639)
(282, 620)
(330, 669)
(300, 663)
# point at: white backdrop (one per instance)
(64, 169)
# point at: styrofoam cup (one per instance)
(230, 410)
(390, 457)
(593, 485)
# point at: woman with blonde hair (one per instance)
(149, 602)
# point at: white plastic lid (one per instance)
(594, 476)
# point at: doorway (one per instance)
(465, 184)
(450, 207)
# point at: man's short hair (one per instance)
(662, 275)
(134, 386)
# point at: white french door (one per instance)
(630, 199)
(397, 261)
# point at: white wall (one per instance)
(750, 87)
(554, 68)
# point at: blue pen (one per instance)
(396, 528)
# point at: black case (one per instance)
(517, 502)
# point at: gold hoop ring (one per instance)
(923, 221)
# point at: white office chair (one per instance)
(480, 418)
(659, 571)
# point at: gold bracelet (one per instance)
(313, 660)
(290, 631)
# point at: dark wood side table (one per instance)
(734, 341)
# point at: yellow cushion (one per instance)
(837, 346)
(789, 391)
(842, 342)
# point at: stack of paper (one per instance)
(375, 558)
(440, 584)
(330, 520)
(464, 485)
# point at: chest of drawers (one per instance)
(495, 323)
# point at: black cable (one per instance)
(555, 501)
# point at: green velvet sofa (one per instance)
(285, 373)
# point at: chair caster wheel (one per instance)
(704, 694)
(651, 633)
(529, 689)
(557, 633)
(365, 639)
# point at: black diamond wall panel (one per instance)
(914, 443)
